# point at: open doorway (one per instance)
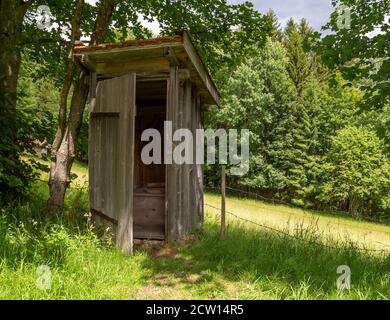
(149, 180)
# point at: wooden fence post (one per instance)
(223, 196)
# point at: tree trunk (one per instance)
(66, 152)
(353, 205)
(11, 23)
(59, 179)
(64, 147)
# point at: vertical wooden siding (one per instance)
(172, 169)
(111, 155)
(198, 167)
(184, 182)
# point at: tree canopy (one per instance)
(359, 47)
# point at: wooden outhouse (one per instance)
(137, 85)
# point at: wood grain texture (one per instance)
(125, 96)
(111, 142)
(199, 167)
(172, 192)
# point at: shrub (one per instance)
(356, 171)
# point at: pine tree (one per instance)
(299, 66)
(275, 33)
(302, 168)
(304, 29)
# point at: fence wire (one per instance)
(283, 233)
(253, 195)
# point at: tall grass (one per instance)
(82, 266)
(280, 267)
(247, 263)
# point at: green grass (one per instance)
(82, 266)
(79, 173)
(247, 263)
(362, 233)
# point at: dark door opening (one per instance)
(149, 180)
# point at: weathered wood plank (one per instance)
(104, 115)
(91, 164)
(157, 65)
(126, 95)
(192, 185)
(149, 218)
(115, 54)
(171, 170)
(111, 155)
(92, 91)
(186, 123)
(98, 165)
(199, 167)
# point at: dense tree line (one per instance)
(310, 144)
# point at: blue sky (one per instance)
(317, 12)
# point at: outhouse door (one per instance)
(111, 161)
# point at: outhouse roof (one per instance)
(150, 56)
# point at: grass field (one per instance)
(247, 263)
(361, 233)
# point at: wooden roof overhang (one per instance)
(150, 58)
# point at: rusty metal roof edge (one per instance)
(125, 45)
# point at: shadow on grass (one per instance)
(257, 264)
